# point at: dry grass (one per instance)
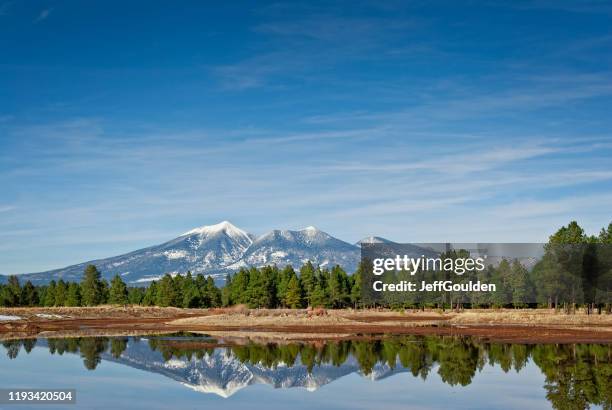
(103, 311)
(532, 317)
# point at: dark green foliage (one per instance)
(92, 287)
(73, 298)
(29, 295)
(293, 293)
(61, 290)
(49, 299)
(150, 295)
(118, 293)
(167, 292)
(135, 296)
(10, 294)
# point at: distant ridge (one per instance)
(216, 250)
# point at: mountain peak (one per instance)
(223, 226)
(373, 239)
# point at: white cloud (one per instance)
(43, 15)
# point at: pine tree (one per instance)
(338, 287)
(226, 299)
(167, 294)
(284, 277)
(150, 296)
(605, 236)
(260, 291)
(61, 290)
(118, 293)
(29, 295)
(135, 295)
(104, 291)
(73, 297)
(239, 286)
(356, 288)
(308, 280)
(293, 295)
(190, 292)
(319, 297)
(519, 285)
(213, 292)
(50, 294)
(12, 292)
(92, 288)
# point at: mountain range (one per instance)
(216, 250)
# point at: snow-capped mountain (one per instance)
(373, 239)
(283, 247)
(208, 249)
(216, 250)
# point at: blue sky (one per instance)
(124, 124)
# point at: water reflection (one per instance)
(576, 375)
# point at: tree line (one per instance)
(273, 287)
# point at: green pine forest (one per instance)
(273, 287)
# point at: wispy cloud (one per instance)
(43, 15)
(6, 208)
(302, 46)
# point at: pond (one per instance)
(189, 371)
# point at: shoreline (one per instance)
(495, 325)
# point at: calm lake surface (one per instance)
(186, 371)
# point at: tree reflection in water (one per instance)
(577, 375)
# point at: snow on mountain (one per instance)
(216, 250)
(372, 239)
(208, 249)
(285, 247)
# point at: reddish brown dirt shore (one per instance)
(499, 326)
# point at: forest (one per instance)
(545, 285)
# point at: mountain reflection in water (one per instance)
(576, 375)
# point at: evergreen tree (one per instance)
(167, 294)
(118, 293)
(73, 296)
(12, 292)
(135, 295)
(150, 296)
(29, 295)
(104, 291)
(213, 292)
(308, 280)
(572, 233)
(190, 292)
(239, 286)
(61, 290)
(520, 285)
(50, 294)
(338, 287)
(226, 291)
(293, 294)
(92, 287)
(284, 277)
(319, 297)
(256, 293)
(356, 287)
(605, 236)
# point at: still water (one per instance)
(186, 371)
